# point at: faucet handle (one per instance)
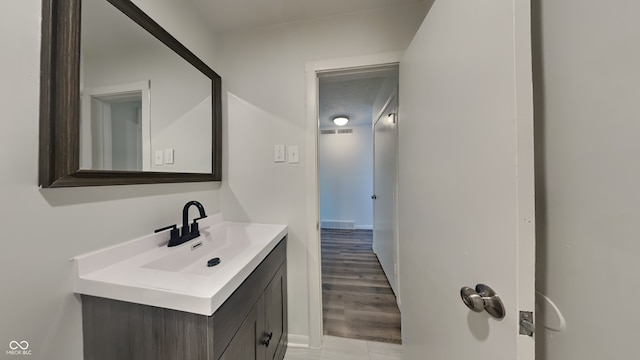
(194, 224)
(173, 227)
(195, 228)
(174, 234)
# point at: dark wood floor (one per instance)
(357, 300)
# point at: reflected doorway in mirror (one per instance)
(115, 128)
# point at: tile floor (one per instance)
(337, 348)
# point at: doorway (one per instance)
(116, 132)
(358, 244)
(115, 127)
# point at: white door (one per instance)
(466, 197)
(384, 189)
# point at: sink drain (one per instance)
(213, 262)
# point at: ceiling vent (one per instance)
(327, 132)
(345, 131)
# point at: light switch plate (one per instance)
(278, 153)
(293, 154)
(168, 156)
(158, 158)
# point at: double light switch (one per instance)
(291, 153)
(162, 157)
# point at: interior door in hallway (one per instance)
(466, 194)
(384, 188)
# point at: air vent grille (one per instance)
(333, 131)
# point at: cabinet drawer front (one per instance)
(275, 313)
(244, 345)
(229, 317)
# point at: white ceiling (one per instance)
(226, 15)
(351, 93)
(352, 98)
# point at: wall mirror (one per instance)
(123, 101)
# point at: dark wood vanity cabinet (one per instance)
(262, 334)
(251, 324)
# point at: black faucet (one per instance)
(188, 232)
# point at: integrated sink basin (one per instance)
(146, 271)
(223, 242)
(190, 259)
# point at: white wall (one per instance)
(389, 87)
(43, 229)
(588, 118)
(346, 176)
(264, 74)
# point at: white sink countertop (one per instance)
(146, 271)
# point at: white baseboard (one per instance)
(298, 341)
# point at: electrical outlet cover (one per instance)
(158, 158)
(278, 153)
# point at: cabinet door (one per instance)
(245, 344)
(275, 298)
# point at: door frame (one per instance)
(314, 266)
(524, 115)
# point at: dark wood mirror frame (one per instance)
(60, 101)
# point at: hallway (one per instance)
(357, 300)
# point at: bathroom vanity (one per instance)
(143, 300)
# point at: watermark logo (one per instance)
(19, 348)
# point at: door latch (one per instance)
(527, 326)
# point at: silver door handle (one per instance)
(483, 298)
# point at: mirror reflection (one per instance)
(116, 132)
(143, 107)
